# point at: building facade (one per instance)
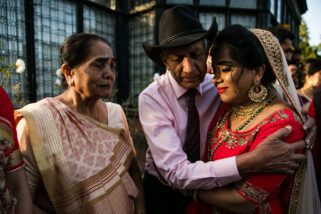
(33, 30)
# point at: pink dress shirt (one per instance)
(163, 115)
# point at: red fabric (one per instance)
(6, 111)
(7, 152)
(312, 111)
(272, 189)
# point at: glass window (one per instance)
(180, 2)
(54, 21)
(206, 20)
(285, 13)
(279, 11)
(272, 6)
(13, 46)
(251, 4)
(107, 3)
(246, 21)
(101, 23)
(142, 4)
(141, 69)
(214, 3)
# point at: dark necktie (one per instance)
(192, 142)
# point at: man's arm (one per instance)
(165, 146)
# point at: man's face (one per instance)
(187, 64)
(286, 47)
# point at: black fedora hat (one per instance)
(178, 26)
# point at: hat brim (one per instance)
(154, 51)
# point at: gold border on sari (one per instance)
(66, 195)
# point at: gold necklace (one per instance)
(246, 110)
(223, 132)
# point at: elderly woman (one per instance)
(78, 150)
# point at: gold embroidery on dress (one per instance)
(295, 194)
(255, 193)
(281, 115)
(265, 208)
(232, 139)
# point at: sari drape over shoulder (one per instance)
(82, 163)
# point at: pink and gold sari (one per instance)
(83, 164)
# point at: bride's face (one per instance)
(232, 81)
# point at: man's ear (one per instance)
(68, 73)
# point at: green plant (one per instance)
(5, 74)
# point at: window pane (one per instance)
(107, 3)
(140, 4)
(206, 20)
(54, 22)
(101, 23)
(251, 4)
(246, 21)
(141, 69)
(279, 10)
(211, 2)
(272, 6)
(180, 2)
(13, 46)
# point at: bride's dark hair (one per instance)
(245, 49)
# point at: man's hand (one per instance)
(272, 155)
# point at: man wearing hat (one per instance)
(175, 112)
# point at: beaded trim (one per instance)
(273, 52)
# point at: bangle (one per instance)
(196, 194)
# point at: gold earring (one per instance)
(257, 92)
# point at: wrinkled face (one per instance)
(232, 84)
(94, 78)
(286, 47)
(187, 64)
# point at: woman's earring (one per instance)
(257, 92)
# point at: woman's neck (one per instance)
(307, 92)
(80, 104)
